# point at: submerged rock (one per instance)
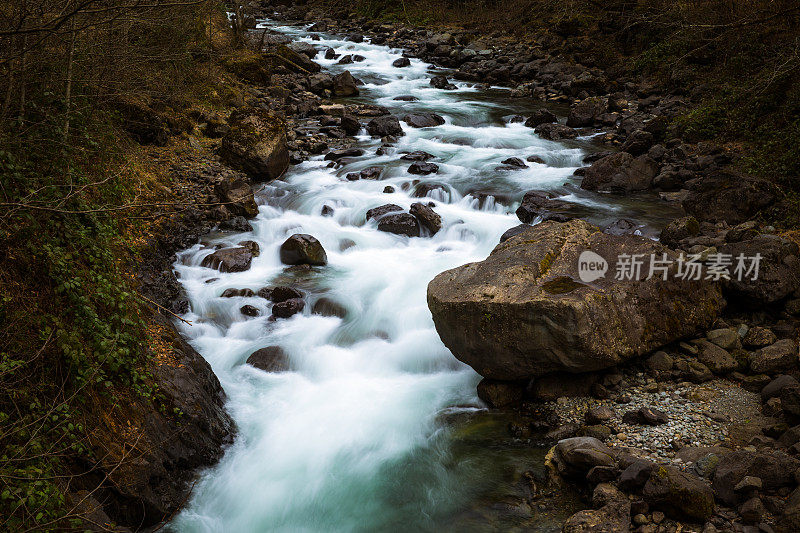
(524, 311)
(269, 359)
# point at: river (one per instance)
(377, 427)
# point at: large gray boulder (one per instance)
(524, 311)
(256, 144)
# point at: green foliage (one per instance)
(73, 330)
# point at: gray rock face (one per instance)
(235, 259)
(303, 249)
(523, 312)
(779, 356)
(620, 172)
(499, 394)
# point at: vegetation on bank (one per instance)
(738, 59)
(79, 81)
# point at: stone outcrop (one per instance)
(256, 144)
(524, 312)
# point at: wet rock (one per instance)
(249, 310)
(378, 212)
(422, 168)
(281, 293)
(237, 195)
(555, 132)
(369, 173)
(344, 85)
(256, 144)
(441, 82)
(522, 312)
(498, 394)
(330, 53)
(620, 172)
(535, 159)
(423, 190)
(645, 416)
(401, 62)
(336, 155)
(678, 494)
(233, 293)
(346, 59)
(350, 125)
(288, 308)
(729, 197)
(515, 162)
(405, 98)
(538, 203)
(429, 219)
(302, 249)
(307, 49)
(779, 356)
(400, 224)
(236, 259)
(423, 120)
(586, 112)
(540, 116)
(384, 126)
(417, 155)
(328, 307)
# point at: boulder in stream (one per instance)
(344, 84)
(303, 249)
(400, 224)
(269, 359)
(525, 312)
(384, 126)
(423, 120)
(429, 219)
(236, 259)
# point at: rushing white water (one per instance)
(354, 438)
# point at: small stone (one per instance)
(747, 484)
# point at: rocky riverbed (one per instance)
(673, 403)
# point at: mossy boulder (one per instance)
(526, 311)
(256, 144)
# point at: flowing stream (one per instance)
(377, 427)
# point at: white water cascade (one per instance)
(358, 435)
